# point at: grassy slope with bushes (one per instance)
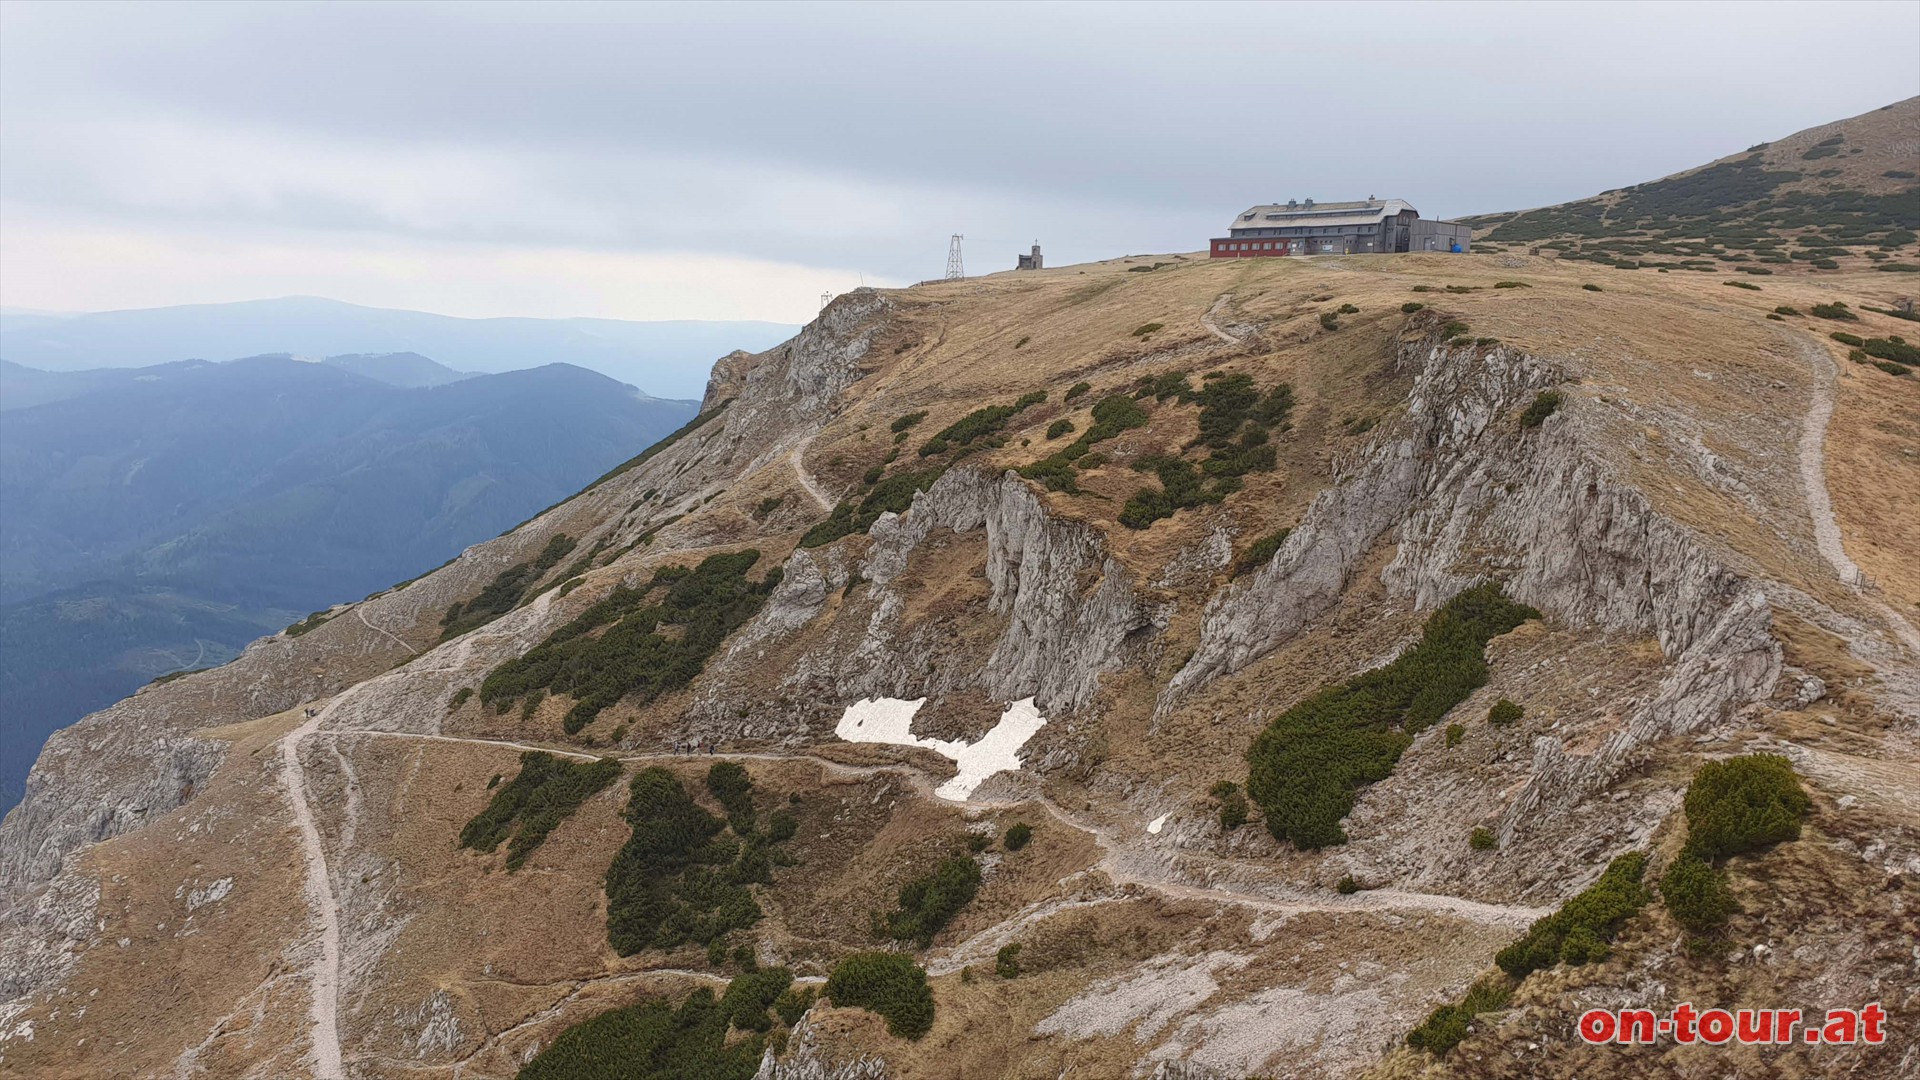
(1307, 764)
(683, 876)
(546, 792)
(631, 656)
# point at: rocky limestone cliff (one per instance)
(1470, 495)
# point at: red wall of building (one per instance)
(1253, 249)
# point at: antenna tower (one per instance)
(825, 297)
(955, 270)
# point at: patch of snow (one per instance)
(1154, 826)
(890, 720)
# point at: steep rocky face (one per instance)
(1470, 495)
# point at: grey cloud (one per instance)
(1099, 129)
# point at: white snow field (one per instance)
(890, 720)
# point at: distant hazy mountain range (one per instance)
(159, 518)
(667, 358)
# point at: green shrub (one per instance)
(1307, 764)
(1077, 389)
(1845, 338)
(1836, 310)
(505, 592)
(1579, 932)
(902, 423)
(1544, 404)
(1236, 424)
(464, 695)
(546, 792)
(979, 424)
(1024, 338)
(631, 657)
(886, 983)
(1742, 285)
(1006, 962)
(1112, 415)
(892, 495)
(1411, 306)
(1146, 329)
(751, 994)
(1891, 368)
(728, 782)
(1592, 288)
(1483, 342)
(1262, 551)
(794, 1004)
(1455, 733)
(311, 623)
(1696, 894)
(1447, 1025)
(1894, 349)
(1505, 713)
(1018, 835)
(1059, 427)
(1347, 886)
(1511, 285)
(1329, 321)
(1743, 803)
(1456, 328)
(1347, 309)
(1482, 839)
(683, 876)
(1233, 804)
(653, 1040)
(1785, 310)
(929, 903)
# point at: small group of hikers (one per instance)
(697, 746)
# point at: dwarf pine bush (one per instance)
(889, 984)
(1307, 764)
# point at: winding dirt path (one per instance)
(1213, 313)
(364, 621)
(324, 1013)
(1114, 849)
(798, 458)
(1827, 537)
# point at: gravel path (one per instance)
(1214, 312)
(364, 621)
(1813, 480)
(799, 459)
(1113, 848)
(323, 1016)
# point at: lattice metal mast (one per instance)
(955, 269)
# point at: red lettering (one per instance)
(1636, 1026)
(1597, 1026)
(1683, 1019)
(1716, 1026)
(1756, 1026)
(1784, 1021)
(1872, 1017)
(1842, 1027)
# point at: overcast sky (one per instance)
(734, 161)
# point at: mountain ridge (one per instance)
(1173, 509)
(668, 357)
